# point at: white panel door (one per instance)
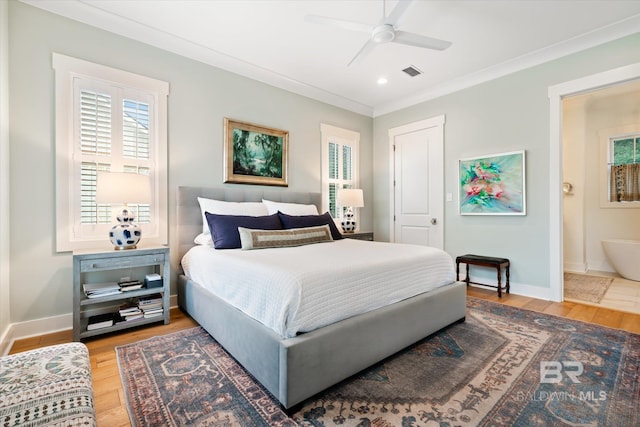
(418, 184)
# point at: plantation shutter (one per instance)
(333, 177)
(113, 135)
(341, 174)
(339, 165)
(135, 136)
(95, 140)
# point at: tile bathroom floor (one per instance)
(623, 294)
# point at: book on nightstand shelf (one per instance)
(100, 321)
(129, 311)
(151, 306)
(130, 317)
(130, 285)
(95, 290)
(150, 301)
(153, 313)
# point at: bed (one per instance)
(295, 363)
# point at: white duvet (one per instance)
(299, 289)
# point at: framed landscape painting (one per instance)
(493, 184)
(255, 154)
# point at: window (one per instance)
(625, 150)
(340, 165)
(624, 168)
(107, 120)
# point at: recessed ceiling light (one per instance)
(382, 81)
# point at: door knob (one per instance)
(433, 221)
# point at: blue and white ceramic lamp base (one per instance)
(348, 222)
(126, 234)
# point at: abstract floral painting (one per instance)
(493, 184)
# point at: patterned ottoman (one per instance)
(47, 386)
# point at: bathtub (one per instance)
(624, 256)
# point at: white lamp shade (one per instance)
(123, 188)
(351, 197)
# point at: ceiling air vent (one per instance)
(412, 71)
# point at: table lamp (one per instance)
(122, 188)
(350, 198)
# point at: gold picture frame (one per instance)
(255, 154)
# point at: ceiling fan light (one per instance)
(383, 34)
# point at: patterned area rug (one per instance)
(582, 287)
(502, 367)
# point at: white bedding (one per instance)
(299, 289)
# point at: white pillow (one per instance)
(203, 239)
(290, 208)
(219, 207)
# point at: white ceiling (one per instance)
(269, 40)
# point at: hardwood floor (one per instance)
(109, 398)
(570, 310)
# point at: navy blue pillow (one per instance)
(224, 228)
(300, 221)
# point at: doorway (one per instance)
(589, 121)
(556, 95)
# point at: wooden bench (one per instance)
(485, 261)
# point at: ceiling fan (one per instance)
(384, 31)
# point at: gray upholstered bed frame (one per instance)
(295, 369)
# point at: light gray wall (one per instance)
(200, 97)
(506, 114)
(4, 172)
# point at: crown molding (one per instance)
(92, 15)
(611, 32)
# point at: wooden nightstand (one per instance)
(364, 235)
(110, 266)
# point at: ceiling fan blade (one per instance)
(364, 51)
(339, 23)
(412, 39)
(397, 12)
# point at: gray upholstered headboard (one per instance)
(190, 218)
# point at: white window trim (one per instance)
(605, 136)
(66, 68)
(348, 137)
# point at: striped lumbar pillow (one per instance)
(258, 239)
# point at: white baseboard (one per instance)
(575, 267)
(4, 341)
(47, 325)
(531, 291)
(517, 288)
